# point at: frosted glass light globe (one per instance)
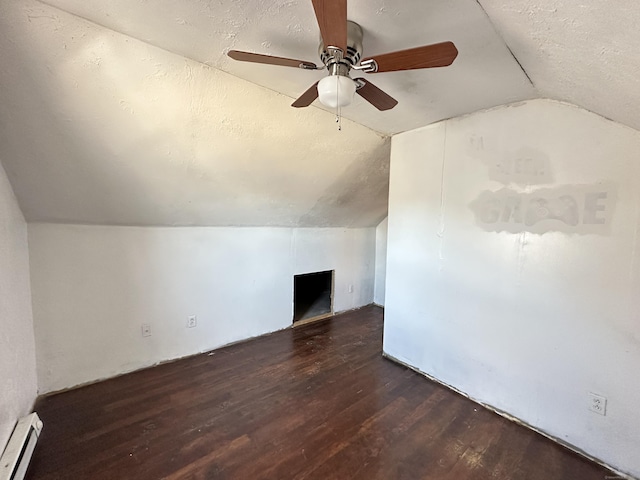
(336, 91)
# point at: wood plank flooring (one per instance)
(314, 402)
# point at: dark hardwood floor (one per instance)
(314, 402)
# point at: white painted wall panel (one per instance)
(350, 252)
(381, 262)
(17, 348)
(528, 323)
(94, 286)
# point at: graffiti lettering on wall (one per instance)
(525, 165)
(571, 208)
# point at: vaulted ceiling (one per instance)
(129, 112)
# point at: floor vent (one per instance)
(16, 457)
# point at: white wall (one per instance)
(529, 323)
(17, 350)
(381, 262)
(93, 287)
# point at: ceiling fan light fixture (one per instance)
(340, 50)
(336, 91)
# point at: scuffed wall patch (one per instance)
(581, 209)
(526, 165)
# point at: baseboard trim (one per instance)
(618, 474)
(208, 351)
(307, 321)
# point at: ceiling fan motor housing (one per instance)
(341, 66)
(341, 51)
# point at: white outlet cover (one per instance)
(146, 330)
(597, 403)
(192, 321)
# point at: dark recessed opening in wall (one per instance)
(312, 295)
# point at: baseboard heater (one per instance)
(17, 454)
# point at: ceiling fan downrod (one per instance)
(332, 55)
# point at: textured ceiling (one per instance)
(484, 74)
(130, 112)
(96, 127)
(585, 53)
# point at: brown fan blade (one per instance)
(307, 97)
(436, 55)
(376, 97)
(270, 60)
(332, 20)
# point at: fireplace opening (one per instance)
(312, 295)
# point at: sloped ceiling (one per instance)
(100, 128)
(485, 74)
(129, 112)
(585, 53)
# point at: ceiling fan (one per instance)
(341, 51)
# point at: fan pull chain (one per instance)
(338, 108)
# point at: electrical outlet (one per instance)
(146, 330)
(192, 321)
(597, 404)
